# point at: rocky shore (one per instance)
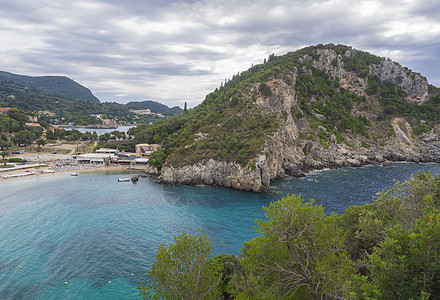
(296, 162)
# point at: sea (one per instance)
(92, 237)
(101, 131)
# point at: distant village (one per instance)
(102, 156)
(108, 157)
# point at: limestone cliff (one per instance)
(310, 135)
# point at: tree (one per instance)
(157, 158)
(4, 143)
(299, 253)
(40, 142)
(407, 264)
(23, 137)
(181, 271)
(403, 204)
(4, 154)
(105, 137)
(185, 108)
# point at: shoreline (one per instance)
(61, 170)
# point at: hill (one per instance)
(59, 85)
(155, 107)
(325, 106)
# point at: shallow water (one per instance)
(90, 229)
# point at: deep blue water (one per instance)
(89, 230)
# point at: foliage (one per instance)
(181, 271)
(229, 126)
(59, 85)
(4, 154)
(223, 127)
(265, 90)
(300, 253)
(402, 205)
(299, 250)
(407, 263)
(67, 109)
(154, 106)
(40, 142)
(360, 62)
(422, 128)
(327, 101)
(23, 137)
(17, 160)
(157, 158)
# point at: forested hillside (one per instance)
(67, 110)
(59, 85)
(314, 99)
(155, 107)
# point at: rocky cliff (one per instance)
(310, 136)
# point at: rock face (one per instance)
(290, 152)
(230, 175)
(415, 85)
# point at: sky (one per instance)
(179, 51)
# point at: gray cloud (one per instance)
(176, 51)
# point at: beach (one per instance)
(32, 170)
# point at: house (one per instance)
(106, 151)
(4, 110)
(143, 112)
(33, 124)
(141, 161)
(47, 113)
(94, 158)
(147, 148)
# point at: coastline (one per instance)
(60, 170)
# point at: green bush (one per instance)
(17, 160)
(265, 90)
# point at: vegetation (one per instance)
(230, 126)
(58, 85)
(68, 110)
(155, 107)
(384, 250)
(181, 271)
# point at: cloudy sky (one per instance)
(177, 51)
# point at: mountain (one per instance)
(58, 85)
(155, 107)
(325, 106)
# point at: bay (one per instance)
(101, 131)
(93, 232)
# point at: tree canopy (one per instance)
(388, 249)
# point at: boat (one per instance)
(74, 174)
(123, 179)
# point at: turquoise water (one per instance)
(89, 230)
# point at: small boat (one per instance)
(74, 174)
(123, 179)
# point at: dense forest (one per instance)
(15, 132)
(388, 249)
(59, 85)
(230, 126)
(69, 110)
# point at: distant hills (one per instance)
(59, 85)
(155, 107)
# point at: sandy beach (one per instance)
(39, 170)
